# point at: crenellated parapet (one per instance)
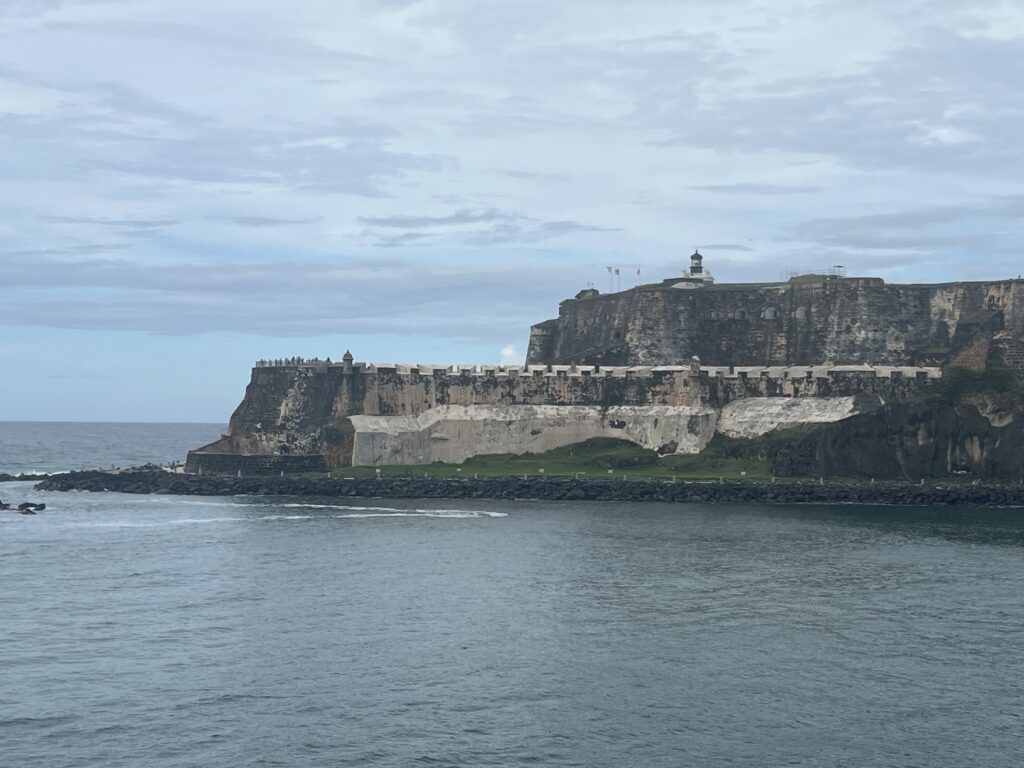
(778, 372)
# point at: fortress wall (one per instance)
(756, 416)
(454, 433)
(390, 392)
(807, 320)
(323, 409)
(284, 409)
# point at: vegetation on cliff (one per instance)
(959, 383)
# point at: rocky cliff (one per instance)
(981, 435)
(808, 320)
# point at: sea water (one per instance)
(170, 631)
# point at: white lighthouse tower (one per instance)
(698, 276)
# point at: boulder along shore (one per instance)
(546, 488)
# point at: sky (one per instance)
(188, 186)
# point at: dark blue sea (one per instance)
(163, 631)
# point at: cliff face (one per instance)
(802, 322)
(981, 436)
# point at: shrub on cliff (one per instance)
(958, 382)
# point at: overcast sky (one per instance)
(186, 186)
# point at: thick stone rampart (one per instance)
(382, 412)
(806, 320)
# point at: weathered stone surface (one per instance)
(397, 414)
(753, 417)
(910, 441)
(454, 433)
(808, 320)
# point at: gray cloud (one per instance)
(80, 249)
(459, 133)
(419, 222)
(116, 223)
(534, 176)
(994, 227)
(382, 296)
(111, 130)
(264, 222)
(726, 247)
(754, 189)
(285, 49)
(489, 226)
(943, 101)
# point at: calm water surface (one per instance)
(53, 446)
(163, 631)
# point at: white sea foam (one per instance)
(302, 505)
(357, 514)
(158, 524)
(362, 511)
(464, 514)
(178, 500)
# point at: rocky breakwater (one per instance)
(551, 488)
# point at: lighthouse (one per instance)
(696, 277)
(696, 264)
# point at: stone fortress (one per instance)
(807, 320)
(666, 366)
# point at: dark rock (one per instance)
(908, 441)
(551, 488)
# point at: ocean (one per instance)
(168, 631)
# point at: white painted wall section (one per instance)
(454, 433)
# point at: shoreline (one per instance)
(546, 489)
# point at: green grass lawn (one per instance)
(597, 459)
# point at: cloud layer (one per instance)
(456, 168)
